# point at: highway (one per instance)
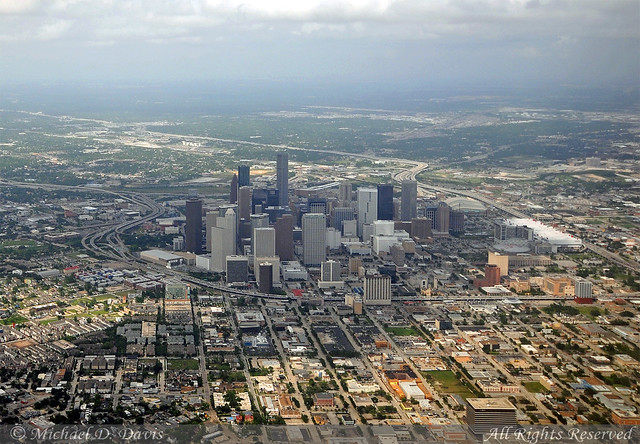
(406, 174)
(412, 173)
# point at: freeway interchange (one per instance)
(104, 240)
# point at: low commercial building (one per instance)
(323, 399)
(163, 258)
(293, 271)
(411, 390)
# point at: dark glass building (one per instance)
(385, 202)
(193, 226)
(243, 176)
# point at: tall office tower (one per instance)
(264, 245)
(341, 214)
(237, 269)
(355, 263)
(396, 209)
(385, 202)
(282, 178)
(317, 205)
(583, 291)
(193, 226)
(210, 222)
(284, 237)
(487, 414)
(442, 218)
(264, 242)
(344, 192)
(314, 238)
(350, 228)
(233, 192)
(223, 240)
(330, 271)
(409, 202)
(244, 203)
(367, 207)
(456, 221)
(491, 275)
(257, 221)
(430, 213)
(243, 176)
(377, 290)
(264, 276)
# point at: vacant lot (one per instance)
(445, 381)
(183, 364)
(402, 331)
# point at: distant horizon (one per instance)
(201, 97)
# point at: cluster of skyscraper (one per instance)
(262, 227)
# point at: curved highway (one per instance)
(412, 173)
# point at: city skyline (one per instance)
(347, 217)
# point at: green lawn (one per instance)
(183, 364)
(447, 382)
(15, 318)
(80, 301)
(15, 243)
(535, 387)
(586, 310)
(402, 331)
(98, 312)
(105, 297)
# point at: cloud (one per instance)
(17, 6)
(389, 18)
(419, 36)
(53, 30)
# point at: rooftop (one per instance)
(490, 404)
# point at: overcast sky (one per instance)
(579, 42)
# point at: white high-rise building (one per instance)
(409, 200)
(314, 238)
(210, 223)
(223, 240)
(377, 290)
(349, 228)
(330, 275)
(264, 241)
(264, 244)
(330, 271)
(383, 228)
(584, 289)
(257, 221)
(367, 207)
